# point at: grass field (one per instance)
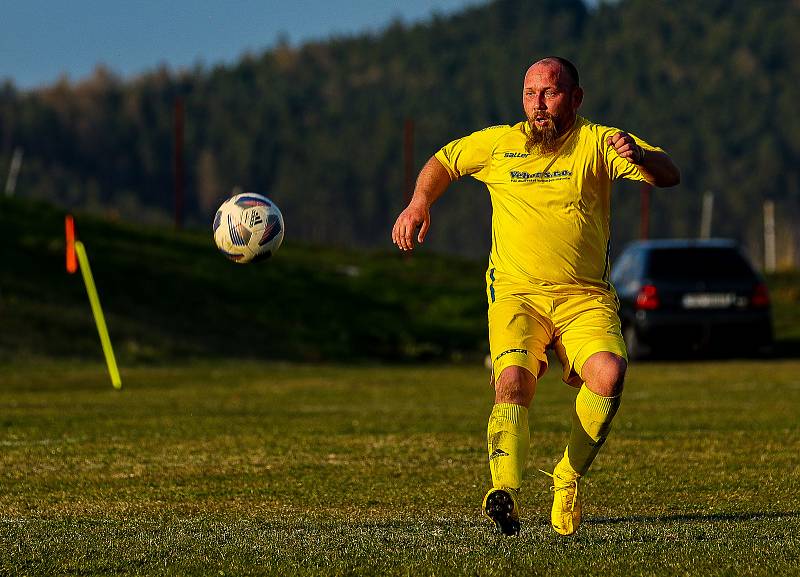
(276, 469)
(239, 467)
(169, 295)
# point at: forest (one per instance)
(319, 127)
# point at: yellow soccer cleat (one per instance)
(500, 505)
(566, 513)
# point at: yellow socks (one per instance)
(509, 442)
(509, 438)
(591, 423)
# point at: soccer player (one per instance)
(549, 178)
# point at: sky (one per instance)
(43, 40)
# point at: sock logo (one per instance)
(498, 453)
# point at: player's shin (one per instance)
(591, 423)
(509, 443)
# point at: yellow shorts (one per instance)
(523, 326)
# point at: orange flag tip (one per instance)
(69, 229)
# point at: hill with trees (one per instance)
(319, 127)
(170, 294)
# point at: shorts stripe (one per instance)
(607, 268)
(491, 285)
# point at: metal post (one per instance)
(708, 209)
(13, 171)
(769, 236)
(644, 216)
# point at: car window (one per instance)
(698, 262)
(638, 263)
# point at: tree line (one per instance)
(319, 127)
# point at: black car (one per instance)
(678, 296)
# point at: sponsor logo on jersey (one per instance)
(549, 176)
(516, 155)
(493, 127)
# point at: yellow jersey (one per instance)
(551, 213)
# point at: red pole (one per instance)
(178, 162)
(408, 156)
(644, 219)
(69, 230)
(408, 166)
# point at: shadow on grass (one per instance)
(695, 517)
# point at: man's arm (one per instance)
(432, 181)
(656, 167)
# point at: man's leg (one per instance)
(508, 432)
(519, 331)
(508, 442)
(596, 404)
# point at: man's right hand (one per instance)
(432, 181)
(413, 217)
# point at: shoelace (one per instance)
(564, 484)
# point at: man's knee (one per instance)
(604, 374)
(515, 385)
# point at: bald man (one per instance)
(548, 286)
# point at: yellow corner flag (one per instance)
(99, 320)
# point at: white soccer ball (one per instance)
(248, 227)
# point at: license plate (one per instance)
(708, 300)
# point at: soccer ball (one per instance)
(248, 227)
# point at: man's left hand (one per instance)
(626, 147)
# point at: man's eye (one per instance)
(549, 94)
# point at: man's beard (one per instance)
(542, 139)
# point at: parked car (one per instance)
(678, 296)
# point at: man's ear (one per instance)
(577, 97)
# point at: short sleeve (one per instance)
(470, 154)
(617, 166)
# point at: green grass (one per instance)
(169, 295)
(246, 468)
(203, 467)
(785, 294)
